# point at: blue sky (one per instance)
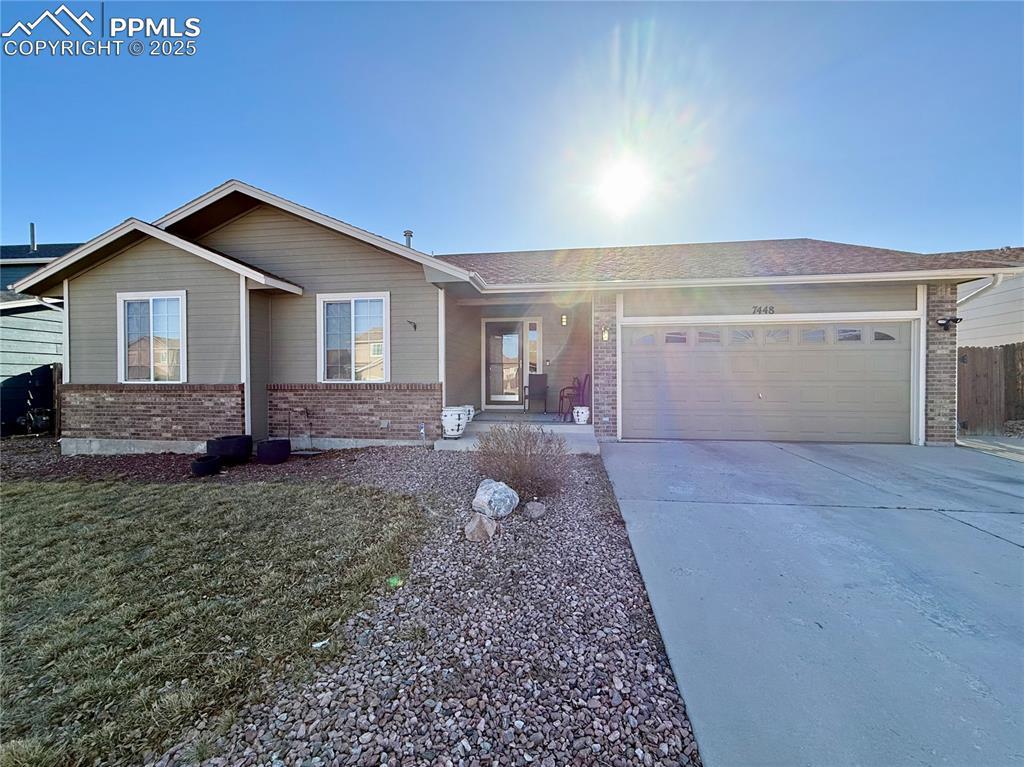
(490, 126)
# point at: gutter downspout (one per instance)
(997, 280)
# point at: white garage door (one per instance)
(825, 383)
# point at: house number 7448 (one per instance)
(764, 309)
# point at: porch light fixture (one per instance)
(604, 333)
(565, 320)
(946, 322)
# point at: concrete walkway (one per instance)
(835, 604)
(579, 439)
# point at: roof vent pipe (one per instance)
(32, 238)
(408, 238)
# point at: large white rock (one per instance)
(495, 499)
(480, 528)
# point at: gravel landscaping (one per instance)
(538, 647)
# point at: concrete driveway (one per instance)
(835, 604)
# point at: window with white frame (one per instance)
(151, 337)
(353, 337)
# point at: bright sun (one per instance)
(624, 185)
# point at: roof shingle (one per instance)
(714, 260)
(51, 250)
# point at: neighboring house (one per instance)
(19, 261)
(30, 336)
(264, 316)
(992, 314)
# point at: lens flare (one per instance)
(624, 185)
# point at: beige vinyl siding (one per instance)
(566, 350)
(324, 261)
(259, 360)
(786, 299)
(994, 318)
(462, 353)
(212, 312)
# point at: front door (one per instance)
(503, 362)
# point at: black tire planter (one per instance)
(232, 449)
(271, 451)
(206, 465)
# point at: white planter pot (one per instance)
(453, 421)
(470, 412)
(581, 414)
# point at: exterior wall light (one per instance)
(565, 320)
(604, 333)
(946, 322)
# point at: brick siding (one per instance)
(940, 376)
(192, 412)
(605, 414)
(354, 411)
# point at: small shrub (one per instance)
(528, 459)
(30, 752)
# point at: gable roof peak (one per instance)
(232, 186)
(134, 230)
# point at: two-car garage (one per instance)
(847, 382)
(802, 362)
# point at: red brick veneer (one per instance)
(355, 411)
(605, 415)
(940, 373)
(191, 412)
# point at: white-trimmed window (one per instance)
(353, 337)
(151, 344)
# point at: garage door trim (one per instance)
(918, 319)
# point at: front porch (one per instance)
(515, 360)
(496, 349)
(579, 438)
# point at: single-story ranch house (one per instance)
(243, 311)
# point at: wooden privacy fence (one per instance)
(990, 388)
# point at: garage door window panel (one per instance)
(884, 334)
(848, 335)
(709, 337)
(777, 336)
(813, 336)
(742, 336)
